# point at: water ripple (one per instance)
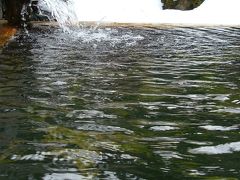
(120, 103)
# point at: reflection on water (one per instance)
(120, 103)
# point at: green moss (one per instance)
(169, 4)
(70, 137)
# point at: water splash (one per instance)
(60, 10)
(99, 38)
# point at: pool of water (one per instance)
(120, 103)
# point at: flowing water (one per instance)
(211, 12)
(120, 103)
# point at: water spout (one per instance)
(60, 10)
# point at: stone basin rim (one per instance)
(131, 25)
(136, 25)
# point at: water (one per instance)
(120, 103)
(142, 11)
(73, 11)
(61, 11)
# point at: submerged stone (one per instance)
(6, 33)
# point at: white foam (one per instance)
(212, 12)
(150, 11)
(136, 11)
(72, 176)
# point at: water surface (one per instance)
(121, 103)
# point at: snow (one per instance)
(212, 12)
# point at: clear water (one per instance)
(121, 103)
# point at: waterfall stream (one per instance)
(63, 11)
(71, 12)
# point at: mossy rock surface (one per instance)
(181, 4)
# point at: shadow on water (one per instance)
(120, 103)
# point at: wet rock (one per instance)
(1, 10)
(17, 12)
(181, 4)
(13, 11)
(6, 33)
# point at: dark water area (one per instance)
(121, 103)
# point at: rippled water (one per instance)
(121, 103)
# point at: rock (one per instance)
(16, 11)
(184, 5)
(181, 4)
(13, 10)
(6, 34)
(1, 10)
